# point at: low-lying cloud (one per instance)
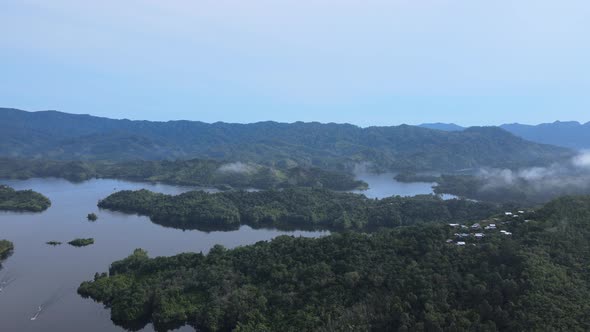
(541, 183)
(237, 167)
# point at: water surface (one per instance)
(385, 185)
(46, 276)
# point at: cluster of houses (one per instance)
(479, 230)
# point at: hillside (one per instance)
(55, 135)
(532, 277)
(568, 134)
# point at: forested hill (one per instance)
(569, 134)
(534, 278)
(55, 135)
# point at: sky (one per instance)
(365, 62)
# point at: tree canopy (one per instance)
(22, 200)
(294, 207)
(403, 279)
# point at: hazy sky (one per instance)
(366, 62)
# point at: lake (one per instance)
(47, 276)
(385, 185)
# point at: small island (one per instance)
(22, 200)
(6, 248)
(81, 242)
(92, 217)
(53, 243)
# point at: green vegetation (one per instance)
(6, 248)
(92, 217)
(288, 208)
(404, 279)
(55, 135)
(81, 242)
(53, 243)
(22, 200)
(196, 172)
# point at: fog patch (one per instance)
(541, 183)
(237, 167)
(582, 160)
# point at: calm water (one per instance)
(385, 185)
(48, 276)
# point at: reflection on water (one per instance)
(40, 281)
(385, 185)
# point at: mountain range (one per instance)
(569, 134)
(62, 136)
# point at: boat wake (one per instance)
(54, 298)
(37, 313)
(5, 281)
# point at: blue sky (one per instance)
(365, 62)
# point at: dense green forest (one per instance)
(22, 200)
(195, 172)
(294, 207)
(403, 279)
(55, 135)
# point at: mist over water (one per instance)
(542, 183)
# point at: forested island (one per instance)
(5, 248)
(81, 242)
(403, 279)
(22, 200)
(294, 207)
(195, 172)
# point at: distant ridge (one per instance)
(442, 126)
(568, 134)
(63, 136)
